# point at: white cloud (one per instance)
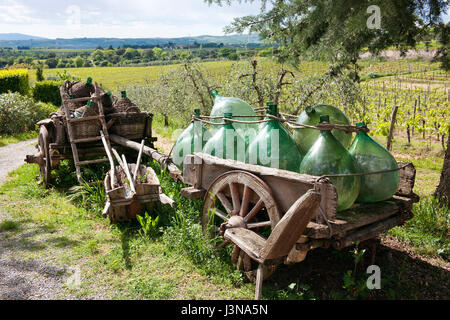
(15, 13)
(118, 18)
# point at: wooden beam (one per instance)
(161, 158)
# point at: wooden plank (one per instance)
(127, 172)
(81, 163)
(71, 137)
(407, 179)
(286, 233)
(152, 153)
(286, 186)
(83, 99)
(111, 160)
(192, 193)
(166, 200)
(356, 217)
(76, 120)
(138, 162)
(90, 139)
(249, 241)
(370, 231)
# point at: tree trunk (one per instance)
(443, 190)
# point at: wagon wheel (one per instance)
(43, 148)
(248, 202)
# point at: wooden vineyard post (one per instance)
(391, 128)
(414, 116)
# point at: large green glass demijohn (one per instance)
(370, 156)
(191, 140)
(274, 146)
(226, 143)
(262, 124)
(328, 157)
(305, 138)
(237, 107)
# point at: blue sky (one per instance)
(119, 18)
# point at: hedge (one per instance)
(20, 113)
(15, 81)
(48, 92)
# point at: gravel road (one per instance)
(20, 278)
(12, 156)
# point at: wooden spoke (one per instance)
(235, 254)
(225, 243)
(258, 206)
(245, 201)
(240, 261)
(247, 263)
(225, 202)
(235, 198)
(259, 224)
(220, 214)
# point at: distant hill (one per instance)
(85, 43)
(18, 37)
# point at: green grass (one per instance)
(17, 137)
(117, 261)
(9, 225)
(115, 78)
(429, 230)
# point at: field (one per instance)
(170, 259)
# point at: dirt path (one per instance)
(12, 156)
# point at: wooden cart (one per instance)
(63, 137)
(271, 216)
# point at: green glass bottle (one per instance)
(370, 156)
(226, 143)
(89, 81)
(191, 140)
(274, 146)
(305, 138)
(328, 156)
(235, 106)
(262, 124)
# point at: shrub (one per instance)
(15, 81)
(19, 114)
(48, 92)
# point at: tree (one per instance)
(78, 62)
(443, 190)
(39, 74)
(338, 31)
(149, 54)
(130, 53)
(52, 63)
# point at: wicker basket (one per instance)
(86, 129)
(131, 126)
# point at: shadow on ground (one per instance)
(402, 276)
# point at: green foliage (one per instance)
(20, 114)
(15, 81)
(48, 92)
(428, 231)
(338, 30)
(149, 225)
(91, 196)
(39, 74)
(9, 225)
